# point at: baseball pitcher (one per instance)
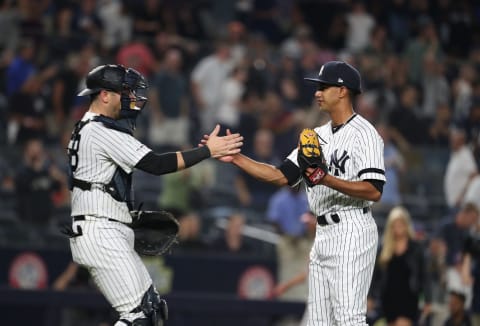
(342, 165)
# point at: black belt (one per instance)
(82, 218)
(322, 219)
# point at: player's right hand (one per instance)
(222, 147)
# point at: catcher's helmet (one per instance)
(109, 77)
(128, 82)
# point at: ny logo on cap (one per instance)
(340, 80)
(321, 71)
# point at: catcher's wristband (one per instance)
(193, 156)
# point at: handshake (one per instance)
(222, 147)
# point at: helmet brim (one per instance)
(89, 91)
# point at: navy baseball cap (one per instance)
(339, 73)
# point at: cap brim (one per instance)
(313, 80)
(322, 81)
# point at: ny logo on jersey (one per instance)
(337, 164)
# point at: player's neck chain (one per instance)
(337, 128)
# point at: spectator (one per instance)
(436, 90)
(231, 93)
(425, 42)
(21, 67)
(454, 234)
(394, 169)
(118, 24)
(360, 24)
(190, 234)
(401, 274)
(169, 108)
(208, 77)
(462, 90)
(439, 127)
(137, 55)
(471, 270)
(458, 314)
(405, 119)
(461, 168)
(36, 182)
(232, 240)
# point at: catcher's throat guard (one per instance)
(155, 231)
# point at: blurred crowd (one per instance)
(241, 64)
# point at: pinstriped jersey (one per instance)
(353, 152)
(98, 153)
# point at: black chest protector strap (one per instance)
(120, 186)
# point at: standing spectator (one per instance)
(231, 93)
(462, 90)
(405, 118)
(436, 90)
(401, 274)
(359, 26)
(169, 123)
(28, 112)
(208, 76)
(425, 42)
(36, 182)
(118, 24)
(461, 168)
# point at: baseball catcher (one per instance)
(155, 231)
(310, 157)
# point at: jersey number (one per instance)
(72, 151)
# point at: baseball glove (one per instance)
(310, 155)
(155, 231)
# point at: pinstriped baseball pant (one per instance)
(341, 265)
(106, 249)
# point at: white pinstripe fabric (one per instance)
(106, 249)
(100, 152)
(341, 267)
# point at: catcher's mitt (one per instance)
(155, 231)
(310, 155)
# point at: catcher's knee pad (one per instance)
(153, 307)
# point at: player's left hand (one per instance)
(232, 145)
